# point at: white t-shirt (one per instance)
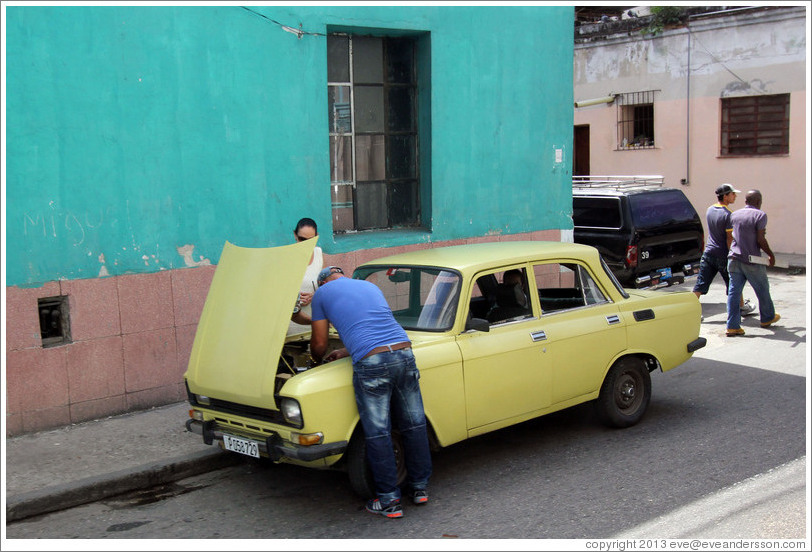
(308, 286)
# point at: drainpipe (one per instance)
(687, 180)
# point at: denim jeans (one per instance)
(709, 266)
(757, 276)
(384, 383)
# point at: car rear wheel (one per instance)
(625, 393)
(358, 470)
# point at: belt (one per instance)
(389, 348)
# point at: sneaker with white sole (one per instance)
(748, 308)
(391, 510)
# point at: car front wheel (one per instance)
(625, 393)
(358, 470)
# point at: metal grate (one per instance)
(755, 125)
(635, 120)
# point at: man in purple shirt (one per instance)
(749, 239)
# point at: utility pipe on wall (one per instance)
(687, 180)
(595, 101)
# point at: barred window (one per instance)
(372, 103)
(755, 125)
(635, 120)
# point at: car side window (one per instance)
(563, 286)
(502, 296)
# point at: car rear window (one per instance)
(596, 212)
(661, 208)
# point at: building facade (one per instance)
(140, 139)
(720, 97)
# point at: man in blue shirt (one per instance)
(720, 234)
(385, 376)
(749, 239)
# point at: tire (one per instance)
(625, 393)
(358, 470)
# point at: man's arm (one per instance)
(762, 243)
(318, 339)
(301, 318)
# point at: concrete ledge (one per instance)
(91, 489)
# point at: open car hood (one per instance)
(244, 322)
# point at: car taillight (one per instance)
(631, 256)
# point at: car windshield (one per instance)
(421, 298)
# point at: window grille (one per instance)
(635, 120)
(755, 125)
(372, 104)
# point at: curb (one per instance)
(91, 489)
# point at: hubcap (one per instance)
(626, 395)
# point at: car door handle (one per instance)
(613, 319)
(538, 336)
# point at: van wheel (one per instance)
(625, 393)
(358, 470)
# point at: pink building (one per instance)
(719, 98)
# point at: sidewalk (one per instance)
(53, 470)
(62, 468)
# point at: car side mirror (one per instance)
(478, 324)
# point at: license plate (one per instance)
(243, 446)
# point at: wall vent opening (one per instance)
(54, 321)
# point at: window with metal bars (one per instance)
(635, 120)
(755, 125)
(372, 103)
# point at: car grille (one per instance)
(246, 411)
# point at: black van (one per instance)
(648, 234)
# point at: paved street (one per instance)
(720, 454)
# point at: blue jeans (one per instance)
(757, 276)
(709, 266)
(385, 382)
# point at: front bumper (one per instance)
(273, 446)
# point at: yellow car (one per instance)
(502, 332)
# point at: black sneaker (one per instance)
(391, 510)
(420, 496)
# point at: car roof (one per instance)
(477, 256)
(615, 191)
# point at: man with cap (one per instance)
(385, 376)
(717, 245)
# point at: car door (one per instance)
(506, 371)
(584, 330)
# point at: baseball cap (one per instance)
(726, 189)
(326, 272)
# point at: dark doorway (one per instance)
(580, 159)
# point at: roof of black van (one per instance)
(617, 191)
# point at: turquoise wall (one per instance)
(140, 139)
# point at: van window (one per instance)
(661, 208)
(596, 212)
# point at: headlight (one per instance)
(292, 412)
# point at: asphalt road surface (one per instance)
(735, 411)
